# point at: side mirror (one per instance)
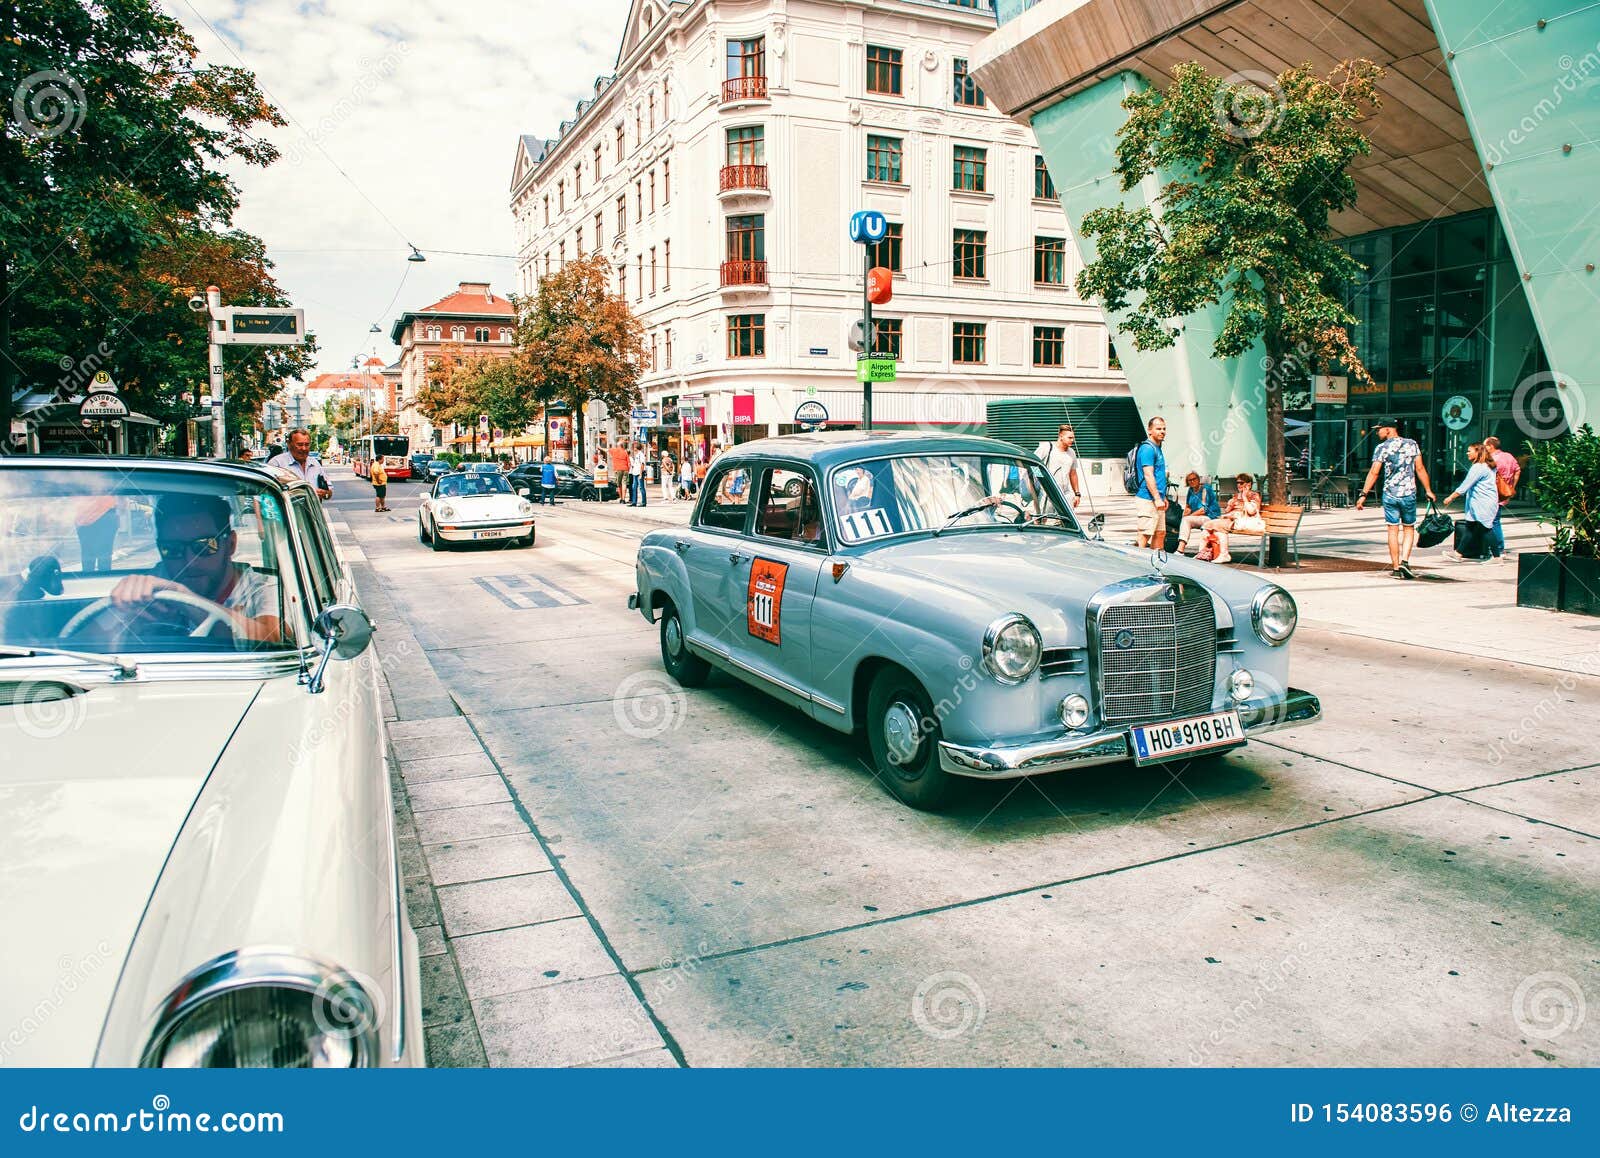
(348, 633)
(1097, 526)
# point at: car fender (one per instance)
(660, 574)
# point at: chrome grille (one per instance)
(1157, 658)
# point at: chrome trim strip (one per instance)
(721, 656)
(1107, 747)
(825, 702)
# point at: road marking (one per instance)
(527, 592)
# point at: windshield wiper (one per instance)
(125, 670)
(961, 515)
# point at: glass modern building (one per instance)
(1477, 216)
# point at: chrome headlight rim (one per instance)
(991, 639)
(1258, 611)
(263, 968)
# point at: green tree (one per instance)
(1256, 175)
(504, 389)
(113, 143)
(579, 342)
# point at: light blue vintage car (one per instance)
(937, 593)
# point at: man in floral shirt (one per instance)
(1400, 460)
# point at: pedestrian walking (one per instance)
(97, 520)
(1200, 506)
(1482, 499)
(1150, 500)
(1508, 473)
(1061, 460)
(380, 486)
(547, 482)
(1242, 515)
(669, 477)
(299, 459)
(601, 468)
(621, 471)
(639, 465)
(1400, 460)
(686, 478)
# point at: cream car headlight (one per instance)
(524, 507)
(1240, 684)
(1274, 615)
(265, 1010)
(1011, 649)
(446, 511)
(1074, 711)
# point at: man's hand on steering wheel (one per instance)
(136, 589)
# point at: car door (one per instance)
(788, 547)
(716, 555)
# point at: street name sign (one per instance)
(646, 416)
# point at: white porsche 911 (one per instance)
(474, 507)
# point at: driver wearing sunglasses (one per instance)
(196, 541)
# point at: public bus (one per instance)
(394, 449)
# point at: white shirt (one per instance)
(1060, 463)
(253, 593)
(311, 472)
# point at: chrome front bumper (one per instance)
(1107, 747)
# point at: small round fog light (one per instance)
(1074, 711)
(1240, 684)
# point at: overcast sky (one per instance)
(419, 103)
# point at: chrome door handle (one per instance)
(682, 545)
(736, 557)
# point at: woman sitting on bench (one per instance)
(1242, 516)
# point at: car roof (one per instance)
(830, 448)
(252, 472)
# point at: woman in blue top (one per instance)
(1482, 504)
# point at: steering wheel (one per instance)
(213, 613)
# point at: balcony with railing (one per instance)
(744, 275)
(739, 89)
(742, 180)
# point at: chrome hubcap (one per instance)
(674, 637)
(901, 734)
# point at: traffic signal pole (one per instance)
(866, 334)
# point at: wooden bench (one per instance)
(1283, 523)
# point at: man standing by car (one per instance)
(547, 481)
(1061, 460)
(299, 459)
(1150, 468)
(620, 469)
(1400, 460)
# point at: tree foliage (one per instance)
(114, 196)
(1565, 481)
(1243, 222)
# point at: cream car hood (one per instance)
(91, 799)
(473, 508)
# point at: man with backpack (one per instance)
(1145, 477)
(1061, 460)
(1507, 473)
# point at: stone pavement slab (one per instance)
(504, 902)
(454, 862)
(459, 793)
(530, 956)
(433, 768)
(452, 824)
(580, 1022)
(1569, 800)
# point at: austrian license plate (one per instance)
(487, 534)
(1152, 743)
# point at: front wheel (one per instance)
(903, 733)
(435, 539)
(682, 665)
(527, 540)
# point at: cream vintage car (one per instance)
(472, 506)
(197, 852)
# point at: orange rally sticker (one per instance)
(765, 602)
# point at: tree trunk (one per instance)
(1277, 489)
(8, 381)
(578, 457)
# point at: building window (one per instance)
(966, 343)
(561, 254)
(971, 250)
(561, 196)
(622, 282)
(883, 158)
(639, 293)
(505, 333)
(1043, 187)
(747, 57)
(652, 190)
(669, 349)
(666, 274)
(458, 333)
(577, 182)
(747, 145)
(970, 170)
(597, 164)
(1112, 361)
(747, 240)
(638, 124)
(1049, 345)
(547, 210)
(599, 231)
(622, 214)
(622, 140)
(652, 100)
(965, 89)
(481, 334)
(886, 336)
(652, 351)
(883, 70)
(652, 271)
(577, 239)
(1050, 261)
(666, 182)
(747, 336)
(887, 252)
(638, 196)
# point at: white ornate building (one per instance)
(718, 170)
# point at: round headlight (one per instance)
(1274, 614)
(265, 1012)
(1074, 711)
(1240, 684)
(525, 507)
(1011, 649)
(447, 511)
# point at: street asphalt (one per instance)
(1413, 881)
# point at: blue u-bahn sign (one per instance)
(868, 227)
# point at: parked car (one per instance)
(474, 506)
(419, 464)
(435, 469)
(196, 829)
(937, 593)
(478, 468)
(572, 482)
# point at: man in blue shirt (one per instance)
(1150, 504)
(547, 481)
(1199, 505)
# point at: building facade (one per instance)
(717, 171)
(1472, 214)
(472, 322)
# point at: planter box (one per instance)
(1558, 583)
(1539, 580)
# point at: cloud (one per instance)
(404, 116)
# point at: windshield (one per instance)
(391, 445)
(893, 496)
(455, 486)
(118, 560)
